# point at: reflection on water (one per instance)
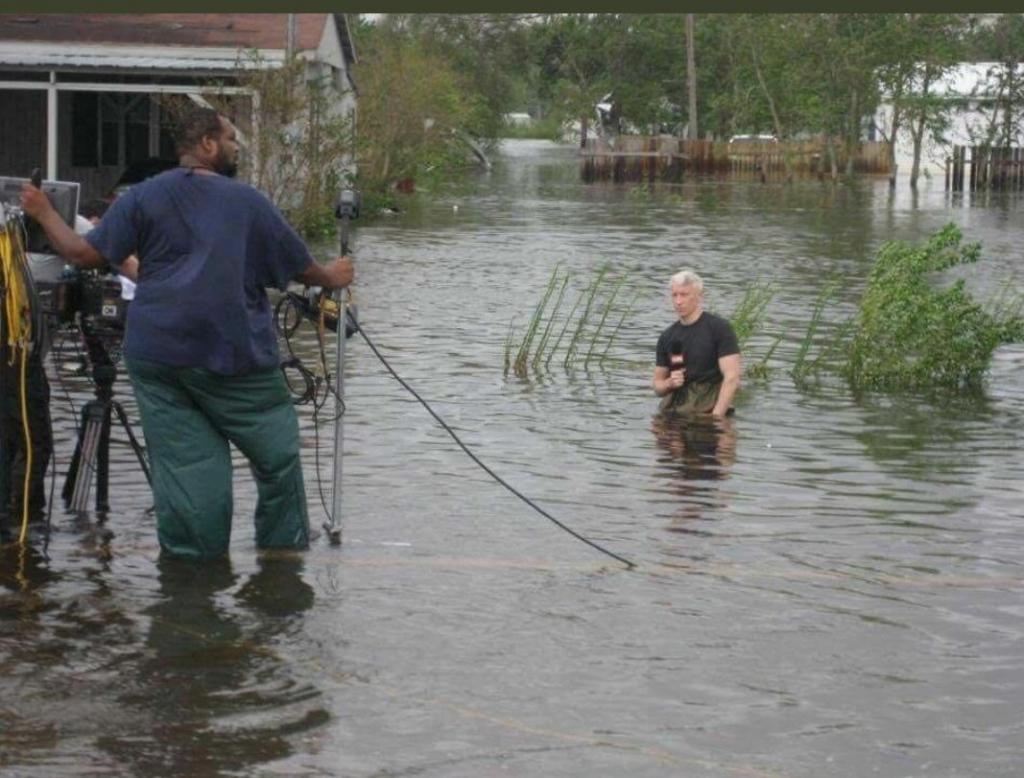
(698, 449)
(829, 583)
(218, 678)
(191, 684)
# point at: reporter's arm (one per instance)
(666, 380)
(336, 274)
(730, 367)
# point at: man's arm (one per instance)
(336, 274)
(74, 248)
(665, 381)
(730, 367)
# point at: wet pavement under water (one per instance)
(828, 585)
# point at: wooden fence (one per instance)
(988, 167)
(665, 158)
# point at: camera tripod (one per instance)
(92, 450)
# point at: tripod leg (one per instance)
(76, 461)
(92, 432)
(103, 463)
(140, 453)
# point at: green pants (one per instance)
(691, 397)
(189, 415)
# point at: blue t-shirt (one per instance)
(207, 248)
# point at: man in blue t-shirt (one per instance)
(697, 359)
(200, 345)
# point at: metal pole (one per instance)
(333, 525)
(289, 38)
(51, 128)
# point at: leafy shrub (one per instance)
(910, 335)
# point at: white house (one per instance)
(972, 90)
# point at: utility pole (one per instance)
(289, 43)
(691, 80)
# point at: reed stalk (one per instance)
(747, 317)
(615, 332)
(508, 345)
(604, 317)
(799, 370)
(523, 355)
(591, 295)
(565, 327)
(551, 320)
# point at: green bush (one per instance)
(910, 335)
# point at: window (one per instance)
(124, 128)
(85, 114)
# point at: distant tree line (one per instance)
(428, 79)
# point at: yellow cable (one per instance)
(16, 305)
(28, 448)
(19, 339)
(22, 564)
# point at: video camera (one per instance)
(62, 291)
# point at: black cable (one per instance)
(53, 484)
(316, 464)
(60, 345)
(310, 395)
(477, 460)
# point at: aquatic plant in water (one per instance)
(910, 335)
(746, 320)
(588, 334)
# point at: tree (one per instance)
(939, 38)
(691, 80)
(488, 53)
(573, 52)
(304, 145)
(1004, 81)
(411, 102)
(766, 71)
(896, 76)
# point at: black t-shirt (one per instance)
(702, 344)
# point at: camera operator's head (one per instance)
(207, 139)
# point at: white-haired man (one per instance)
(697, 366)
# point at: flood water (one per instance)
(829, 585)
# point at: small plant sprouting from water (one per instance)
(749, 314)
(803, 366)
(908, 335)
(747, 319)
(588, 330)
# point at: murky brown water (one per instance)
(829, 586)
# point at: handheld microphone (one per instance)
(676, 359)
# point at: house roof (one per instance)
(107, 58)
(261, 31)
(195, 43)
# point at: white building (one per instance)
(972, 90)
